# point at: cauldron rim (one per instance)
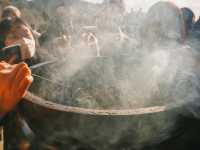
(31, 98)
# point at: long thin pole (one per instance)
(1, 138)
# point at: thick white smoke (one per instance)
(104, 66)
(116, 60)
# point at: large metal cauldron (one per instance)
(97, 129)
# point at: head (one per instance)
(11, 11)
(189, 17)
(20, 33)
(20, 28)
(163, 21)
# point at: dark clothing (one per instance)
(2, 120)
(196, 26)
(2, 41)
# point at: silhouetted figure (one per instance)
(189, 18)
(164, 26)
(197, 25)
(163, 22)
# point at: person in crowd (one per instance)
(179, 75)
(189, 18)
(5, 26)
(13, 13)
(8, 16)
(16, 32)
(192, 27)
(15, 81)
(10, 11)
(197, 25)
(163, 22)
(20, 34)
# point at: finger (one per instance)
(6, 70)
(24, 72)
(24, 85)
(16, 71)
(14, 83)
(4, 65)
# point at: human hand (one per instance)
(14, 82)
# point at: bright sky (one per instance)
(145, 4)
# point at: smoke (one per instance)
(104, 67)
(108, 59)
